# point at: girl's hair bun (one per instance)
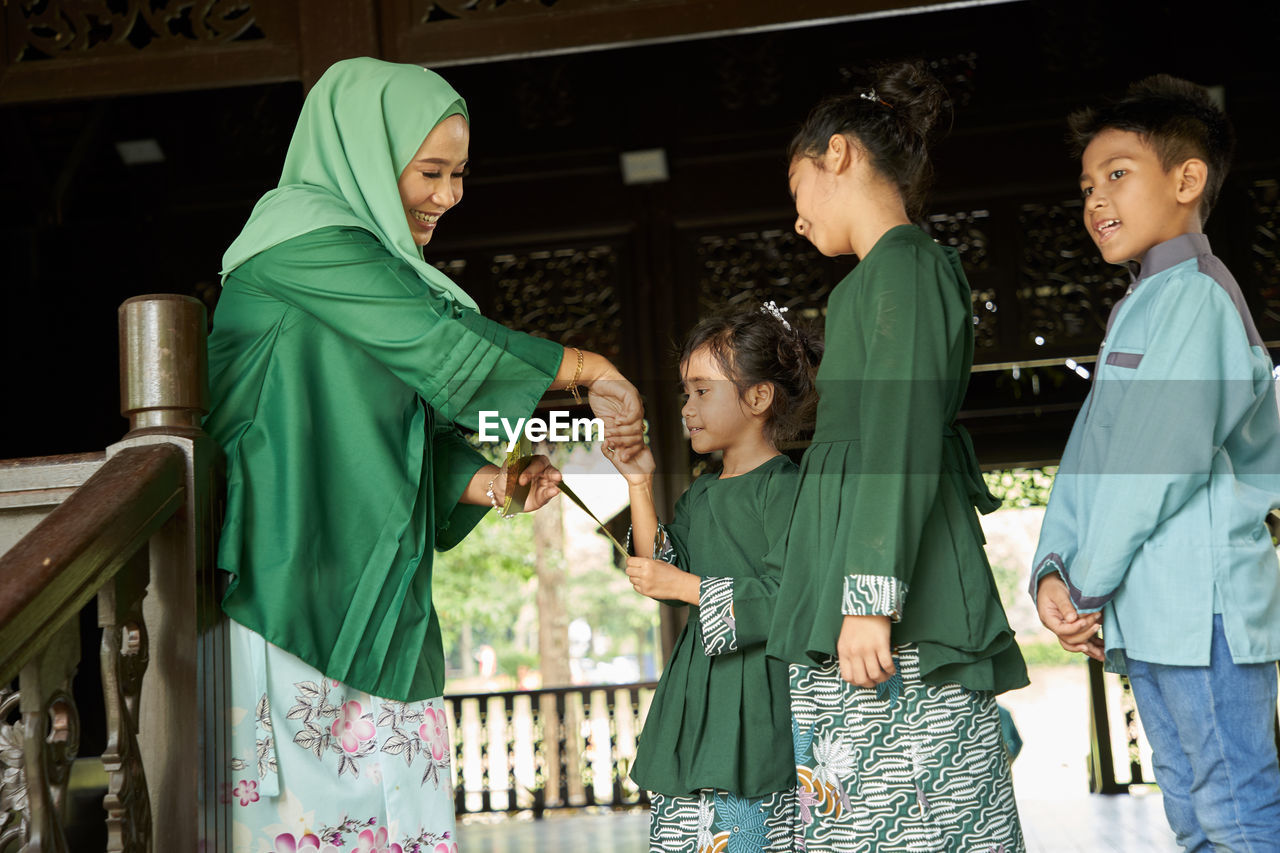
(894, 112)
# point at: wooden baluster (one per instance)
(1130, 708)
(50, 737)
(632, 720)
(562, 751)
(486, 777)
(589, 755)
(611, 708)
(509, 741)
(124, 661)
(641, 711)
(541, 770)
(455, 726)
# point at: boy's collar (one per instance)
(1168, 254)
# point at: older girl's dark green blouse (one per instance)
(337, 375)
(889, 485)
(721, 716)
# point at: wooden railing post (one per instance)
(181, 708)
(137, 531)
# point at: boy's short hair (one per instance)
(1175, 117)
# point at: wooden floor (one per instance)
(1097, 824)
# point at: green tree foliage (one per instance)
(1021, 487)
(489, 580)
(484, 581)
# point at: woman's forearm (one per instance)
(476, 492)
(594, 366)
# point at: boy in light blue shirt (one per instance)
(1156, 524)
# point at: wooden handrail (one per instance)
(58, 567)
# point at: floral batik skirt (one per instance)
(320, 767)
(904, 766)
(714, 821)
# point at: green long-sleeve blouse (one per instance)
(337, 376)
(720, 717)
(884, 521)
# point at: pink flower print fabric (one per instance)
(356, 773)
(307, 843)
(351, 729)
(246, 791)
(375, 842)
(435, 732)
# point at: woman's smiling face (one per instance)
(432, 182)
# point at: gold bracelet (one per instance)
(572, 387)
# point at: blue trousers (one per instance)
(1212, 734)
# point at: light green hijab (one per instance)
(360, 126)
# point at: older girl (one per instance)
(887, 609)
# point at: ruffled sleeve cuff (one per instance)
(873, 595)
(715, 613)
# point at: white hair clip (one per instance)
(870, 95)
(771, 307)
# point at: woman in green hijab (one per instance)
(340, 362)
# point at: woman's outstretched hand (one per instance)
(545, 482)
(617, 403)
(613, 399)
(863, 648)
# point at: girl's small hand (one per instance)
(638, 471)
(662, 581)
(545, 479)
(864, 651)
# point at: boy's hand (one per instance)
(662, 581)
(638, 470)
(1075, 633)
(545, 479)
(863, 648)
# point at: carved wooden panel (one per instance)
(1264, 248)
(569, 295)
(58, 49)
(1065, 290)
(748, 73)
(451, 31)
(958, 73)
(455, 268)
(736, 267)
(966, 230)
(45, 29)
(430, 11)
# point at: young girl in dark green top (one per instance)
(887, 606)
(716, 747)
